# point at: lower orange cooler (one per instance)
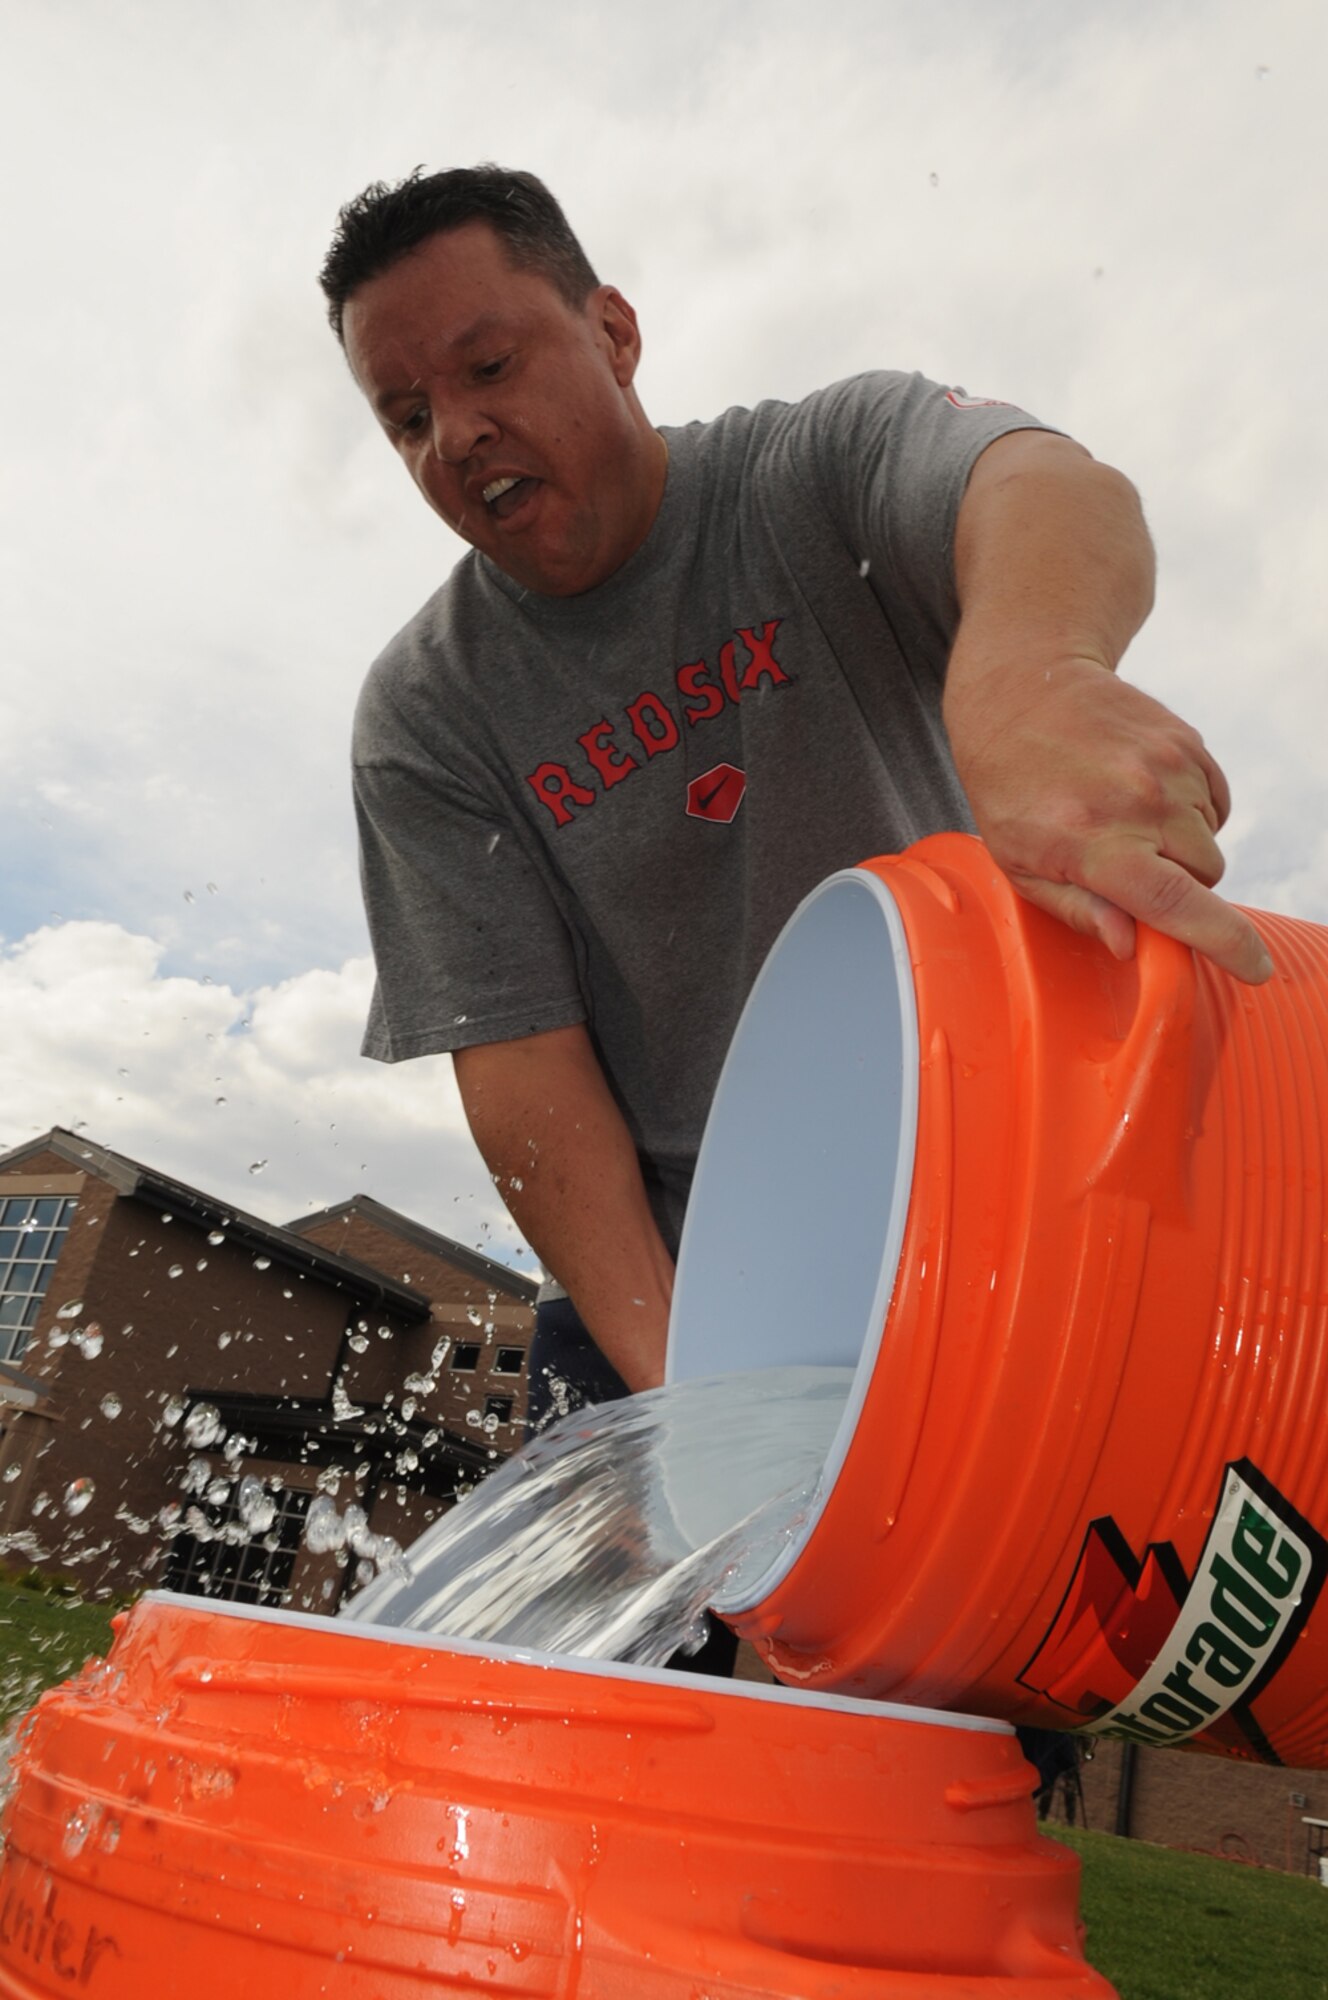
(252, 1804)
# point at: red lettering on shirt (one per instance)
(554, 785)
(652, 723)
(694, 681)
(613, 765)
(763, 665)
(745, 662)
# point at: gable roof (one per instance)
(282, 1246)
(424, 1238)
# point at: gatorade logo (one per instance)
(1139, 1650)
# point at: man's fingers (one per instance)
(1219, 791)
(1188, 839)
(1090, 915)
(1166, 895)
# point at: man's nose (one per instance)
(458, 432)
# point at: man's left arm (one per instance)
(1101, 805)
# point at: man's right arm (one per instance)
(559, 1150)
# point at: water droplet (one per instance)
(324, 1529)
(11, 1473)
(71, 1310)
(90, 1342)
(493, 841)
(78, 1495)
(173, 1409)
(189, 895)
(257, 1166)
(255, 1505)
(359, 1341)
(217, 1236)
(935, 180)
(262, 1263)
(78, 1826)
(111, 1405)
(211, 888)
(176, 1271)
(201, 1265)
(218, 1100)
(474, 1315)
(203, 1426)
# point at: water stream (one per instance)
(609, 1534)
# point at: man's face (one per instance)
(513, 411)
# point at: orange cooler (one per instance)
(1066, 1219)
(249, 1804)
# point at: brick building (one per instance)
(1185, 1798)
(192, 1397)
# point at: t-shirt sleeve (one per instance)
(889, 456)
(469, 943)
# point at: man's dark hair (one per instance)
(380, 226)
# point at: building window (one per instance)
(33, 1228)
(509, 1361)
(500, 1407)
(218, 1555)
(466, 1355)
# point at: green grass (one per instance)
(1161, 1925)
(1169, 1926)
(44, 1639)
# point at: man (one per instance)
(680, 678)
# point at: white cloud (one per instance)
(204, 1082)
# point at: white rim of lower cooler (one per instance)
(615, 1670)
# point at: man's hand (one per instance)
(1101, 805)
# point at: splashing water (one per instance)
(609, 1534)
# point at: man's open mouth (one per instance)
(503, 496)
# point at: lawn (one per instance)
(43, 1639)
(1161, 1925)
(1169, 1926)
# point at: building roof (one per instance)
(404, 1226)
(282, 1246)
(20, 1391)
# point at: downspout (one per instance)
(1125, 1795)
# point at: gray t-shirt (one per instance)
(602, 808)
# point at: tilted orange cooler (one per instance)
(1066, 1218)
(251, 1804)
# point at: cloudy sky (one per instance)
(1110, 213)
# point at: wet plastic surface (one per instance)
(1081, 1479)
(243, 1805)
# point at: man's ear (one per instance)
(615, 321)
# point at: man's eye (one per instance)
(412, 424)
(489, 371)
